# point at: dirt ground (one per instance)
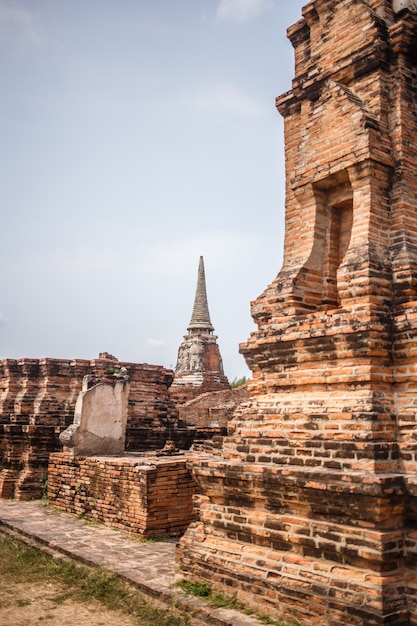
(30, 605)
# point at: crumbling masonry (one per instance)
(37, 401)
(199, 366)
(312, 511)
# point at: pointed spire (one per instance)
(200, 318)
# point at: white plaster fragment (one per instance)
(100, 419)
(399, 5)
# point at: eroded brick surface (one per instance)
(37, 401)
(215, 409)
(311, 511)
(145, 495)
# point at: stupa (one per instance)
(199, 367)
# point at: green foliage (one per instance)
(82, 488)
(44, 488)
(195, 588)
(223, 601)
(238, 382)
(113, 370)
(140, 539)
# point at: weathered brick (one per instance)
(325, 450)
(37, 401)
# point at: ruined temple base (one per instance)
(280, 539)
(24, 473)
(148, 495)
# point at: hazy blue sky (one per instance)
(136, 136)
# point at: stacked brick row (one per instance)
(37, 401)
(30, 421)
(311, 512)
(149, 496)
(210, 414)
(213, 409)
(152, 415)
(190, 386)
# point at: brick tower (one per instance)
(199, 366)
(312, 511)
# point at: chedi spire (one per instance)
(199, 366)
(200, 318)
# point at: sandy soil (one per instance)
(32, 605)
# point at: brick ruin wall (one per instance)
(150, 496)
(214, 409)
(37, 401)
(185, 389)
(311, 512)
(210, 414)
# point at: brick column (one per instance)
(311, 512)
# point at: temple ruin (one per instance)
(105, 407)
(148, 492)
(310, 514)
(104, 440)
(37, 403)
(309, 511)
(199, 367)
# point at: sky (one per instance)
(137, 135)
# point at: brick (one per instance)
(38, 396)
(324, 449)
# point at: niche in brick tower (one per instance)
(334, 213)
(311, 512)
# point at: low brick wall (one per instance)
(37, 401)
(144, 495)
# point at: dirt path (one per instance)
(48, 604)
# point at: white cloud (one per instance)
(242, 10)
(3, 319)
(225, 99)
(17, 24)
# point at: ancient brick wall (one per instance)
(213, 409)
(187, 388)
(37, 401)
(311, 512)
(149, 496)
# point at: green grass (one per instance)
(141, 539)
(238, 382)
(22, 564)
(195, 588)
(219, 600)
